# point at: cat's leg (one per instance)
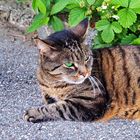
(80, 108)
(47, 99)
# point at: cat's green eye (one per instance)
(69, 65)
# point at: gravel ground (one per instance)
(19, 91)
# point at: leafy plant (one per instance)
(46, 14)
(117, 21)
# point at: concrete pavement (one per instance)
(19, 91)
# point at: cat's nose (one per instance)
(84, 73)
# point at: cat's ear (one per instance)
(81, 28)
(43, 47)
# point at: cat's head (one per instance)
(63, 56)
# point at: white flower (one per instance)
(116, 17)
(104, 7)
(113, 7)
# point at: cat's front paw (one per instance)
(33, 115)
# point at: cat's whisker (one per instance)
(92, 83)
(99, 82)
(96, 84)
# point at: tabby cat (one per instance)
(80, 85)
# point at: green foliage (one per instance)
(39, 20)
(76, 15)
(108, 29)
(128, 39)
(102, 24)
(90, 2)
(59, 6)
(136, 41)
(127, 17)
(117, 21)
(41, 5)
(57, 24)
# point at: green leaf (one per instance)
(71, 6)
(135, 5)
(123, 3)
(76, 15)
(41, 6)
(99, 46)
(136, 41)
(55, 1)
(90, 2)
(98, 42)
(127, 17)
(107, 35)
(133, 28)
(34, 4)
(98, 3)
(38, 21)
(48, 4)
(73, 2)
(128, 39)
(102, 24)
(60, 5)
(48, 7)
(116, 27)
(57, 24)
(98, 39)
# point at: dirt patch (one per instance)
(18, 14)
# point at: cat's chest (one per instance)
(58, 93)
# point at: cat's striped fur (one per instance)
(121, 70)
(76, 94)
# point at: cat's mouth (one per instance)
(74, 80)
